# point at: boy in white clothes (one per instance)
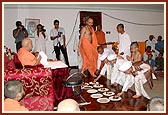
(106, 68)
(124, 41)
(141, 75)
(117, 77)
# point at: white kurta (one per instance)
(124, 44)
(106, 50)
(40, 43)
(151, 43)
(75, 48)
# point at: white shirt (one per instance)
(124, 44)
(106, 50)
(54, 33)
(151, 43)
(40, 42)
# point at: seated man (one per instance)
(24, 54)
(150, 61)
(141, 72)
(159, 62)
(13, 91)
(147, 52)
(135, 54)
(68, 105)
(156, 104)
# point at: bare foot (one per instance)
(136, 96)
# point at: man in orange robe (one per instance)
(24, 54)
(13, 91)
(88, 48)
(101, 37)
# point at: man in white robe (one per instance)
(102, 51)
(124, 42)
(139, 77)
(107, 68)
(117, 77)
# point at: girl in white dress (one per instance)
(40, 39)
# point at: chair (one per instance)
(74, 80)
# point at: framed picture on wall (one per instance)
(31, 25)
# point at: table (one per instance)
(60, 91)
(126, 104)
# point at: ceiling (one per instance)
(96, 6)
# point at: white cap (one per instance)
(103, 56)
(112, 57)
(125, 66)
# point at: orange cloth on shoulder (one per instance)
(13, 105)
(26, 57)
(89, 53)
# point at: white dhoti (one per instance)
(129, 81)
(107, 68)
(139, 81)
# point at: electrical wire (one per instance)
(132, 22)
(73, 29)
(140, 24)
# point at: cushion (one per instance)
(17, 61)
(8, 64)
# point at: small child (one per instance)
(150, 61)
(141, 75)
(13, 91)
(147, 52)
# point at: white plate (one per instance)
(92, 91)
(85, 84)
(98, 86)
(118, 99)
(87, 87)
(108, 93)
(103, 89)
(97, 95)
(103, 100)
(93, 83)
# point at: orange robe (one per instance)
(26, 57)
(13, 105)
(89, 53)
(101, 38)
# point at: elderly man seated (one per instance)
(24, 54)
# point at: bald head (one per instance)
(68, 105)
(156, 104)
(89, 21)
(27, 44)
